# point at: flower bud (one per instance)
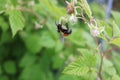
(70, 8)
(37, 25)
(75, 1)
(31, 3)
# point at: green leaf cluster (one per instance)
(82, 66)
(30, 51)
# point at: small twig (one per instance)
(100, 69)
(112, 49)
(101, 64)
(29, 10)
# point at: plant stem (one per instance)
(101, 64)
(31, 11)
(100, 69)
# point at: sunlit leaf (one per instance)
(58, 61)
(116, 77)
(47, 41)
(27, 60)
(33, 43)
(108, 30)
(59, 46)
(108, 67)
(69, 77)
(116, 30)
(82, 65)
(16, 21)
(116, 59)
(116, 16)
(115, 41)
(86, 8)
(2, 5)
(33, 72)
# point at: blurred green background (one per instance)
(36, 52)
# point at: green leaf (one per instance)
(108, 67)
(69, 77)
(49, 7)
(27, 60)
(46, 40)
(5, 37)
(116, 30)
(76, 37)
(89, 56)
(116, 61)
(75, 69)
(115, 41)
(33, 72)
(82, 65)
(16, 21)
(37, 71)
(59, 46)
(58, 61)
(91, 75)
(116, 16)
(98, 11)
(2, 5)
(33, 43)
(108, 29)
(4, 77)
(0, 69)
(3, 24)
(116, 77)
(88, 39)
(10, 67)
(86, 8)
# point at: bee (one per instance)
(63, 31)
(60, 29)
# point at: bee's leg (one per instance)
(67, 26)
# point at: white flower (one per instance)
(95, 31)
(73, 18)
(37, 25)
(31, 3)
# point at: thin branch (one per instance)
(29, 10)
(112, 49)
(100, 68)
(101, 64)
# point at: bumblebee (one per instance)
(66, 32)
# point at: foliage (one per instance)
(83, 65)
(16, 21)
(31, 48)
